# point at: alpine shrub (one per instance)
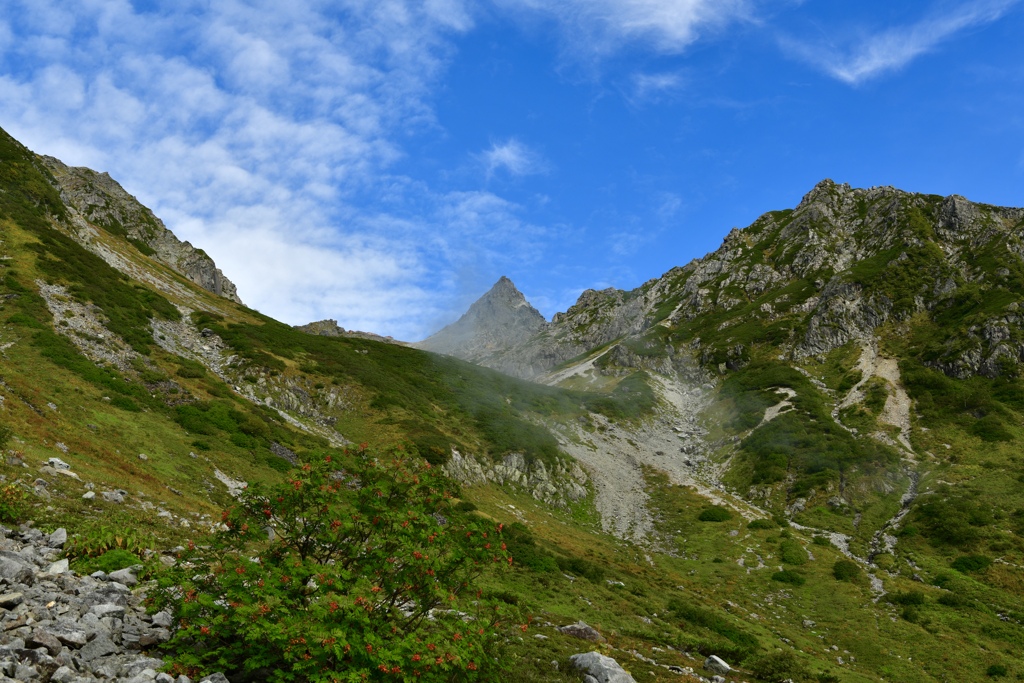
(369, 575)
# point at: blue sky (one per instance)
(383, 162)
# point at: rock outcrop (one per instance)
(560, 486)
(101, 201)
(330, 328)
(599, 668)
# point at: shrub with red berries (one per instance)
(359, 574)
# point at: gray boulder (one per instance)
(215, 678)
(582, 631)
(100, 646)
(58, 538)
(601, 668)
(716, 664)
(15, 569)
(125, 576)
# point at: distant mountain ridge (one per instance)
(835, 269)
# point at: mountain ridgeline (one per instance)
(840, 267)
(800, 453)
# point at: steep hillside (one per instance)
(97, 199)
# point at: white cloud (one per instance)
(256, 130)
(600, 26)
(892, 49)
(652, 86)
(514, 157)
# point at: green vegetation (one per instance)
(12, 503)
(425, 388)
(365, 584)
(93, 541)
(789, 576)
(762, 524)
(804, 443)
(953, 518)
(110, 561)
(847, 570)
(717, 624)
(694, 588)
(971, 563)
(715, 513)
(778, 667)
(791, 552)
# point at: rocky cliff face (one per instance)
(837, 268)
(100, 200)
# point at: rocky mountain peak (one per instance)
(824, 192)
(497, 320)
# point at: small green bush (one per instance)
(714, 622)
(971, 563)
(847, 570)
(579, 567)
(907, 598)
(190, 370)
(125, 403)
(525, 552)
(789, 576)
(954, 600)
(778, 667)
(996, 671)
(96, 540)
(759, 524)
(791, 552)
(110, 561)
(912, 613)
(990, 428)
(715, 513)
(12, 503)
(821, 540)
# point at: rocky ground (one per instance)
(58, 626)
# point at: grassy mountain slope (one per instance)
(108, 355)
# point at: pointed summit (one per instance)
(498, 320)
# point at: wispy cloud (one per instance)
(892, 49)
(268, 134)
(651, 87)
(600, 26)
(512, 156)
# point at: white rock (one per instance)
(601, 668)
(716, 664)
(58, 567)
